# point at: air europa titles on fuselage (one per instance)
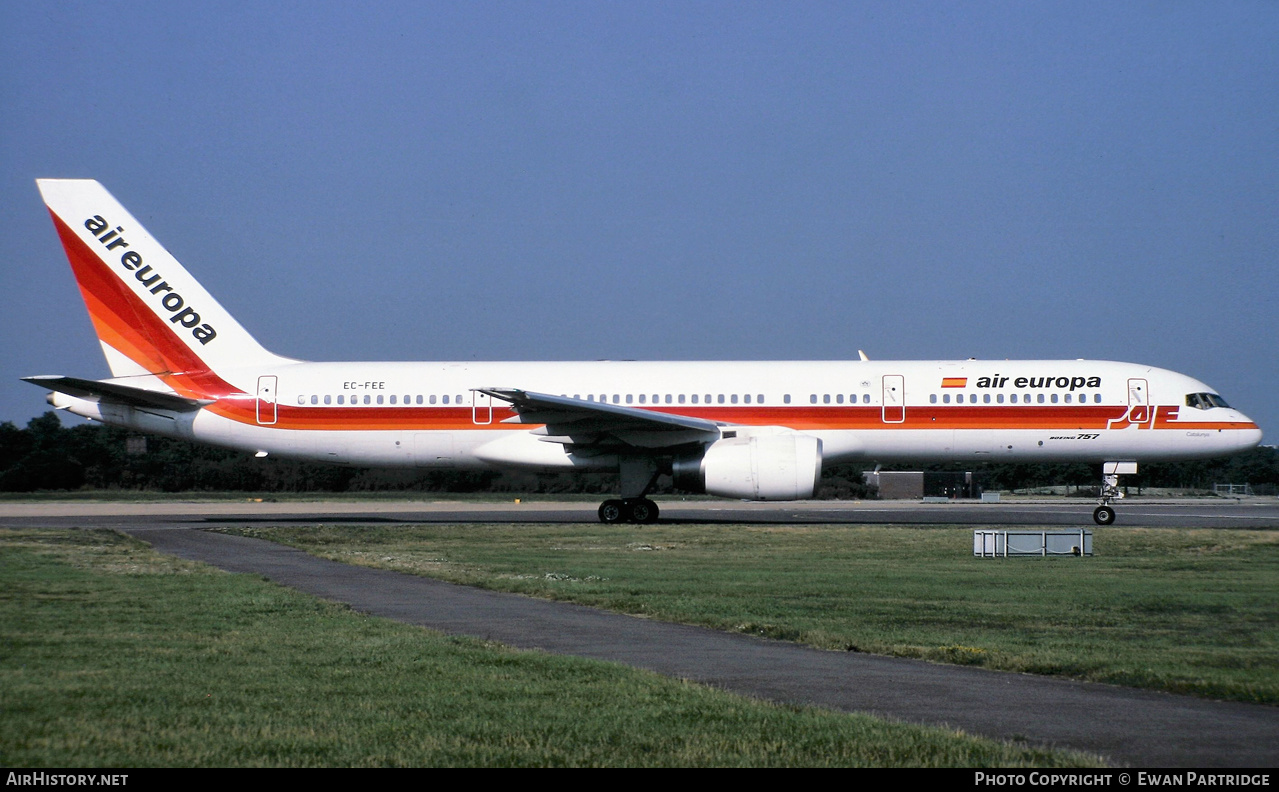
(1073, 383)
(131, 260)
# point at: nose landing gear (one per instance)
(1104, 514)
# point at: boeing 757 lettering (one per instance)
(182, 367)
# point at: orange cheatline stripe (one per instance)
(954, 382)
(333, 418)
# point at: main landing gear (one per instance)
(638, 475)
(1111, 471)
(638, 510)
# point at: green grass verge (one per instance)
(1187, 611)
(113, 655)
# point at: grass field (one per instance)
(114, 655)
(1187, 611)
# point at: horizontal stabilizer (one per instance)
(114, 392)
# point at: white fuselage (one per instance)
(430, 415)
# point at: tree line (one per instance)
(45, 455)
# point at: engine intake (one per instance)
(760, 467)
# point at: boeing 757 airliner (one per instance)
(183, 367)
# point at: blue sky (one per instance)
(558, 180)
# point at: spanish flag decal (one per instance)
(954, 382)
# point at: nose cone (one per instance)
(1249, 439)
(1248, 435)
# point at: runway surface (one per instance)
(1138, 728)
(1259, 513)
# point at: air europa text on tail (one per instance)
(181, 313)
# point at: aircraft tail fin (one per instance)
(151, 316)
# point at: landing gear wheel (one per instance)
(613, 511)
(643, 511)
(1103, 515)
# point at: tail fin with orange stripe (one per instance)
(150, 315)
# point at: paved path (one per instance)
(1132, 727)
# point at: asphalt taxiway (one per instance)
(1260, 513)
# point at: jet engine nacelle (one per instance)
(757, 467)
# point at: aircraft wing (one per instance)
(114, 392)
(588, 423)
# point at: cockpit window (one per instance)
(1205, 401)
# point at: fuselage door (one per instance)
(1138, 400)
(1138, 392)
(267, 412)
(481, 408)
(894, 405)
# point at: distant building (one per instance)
(916, 484)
